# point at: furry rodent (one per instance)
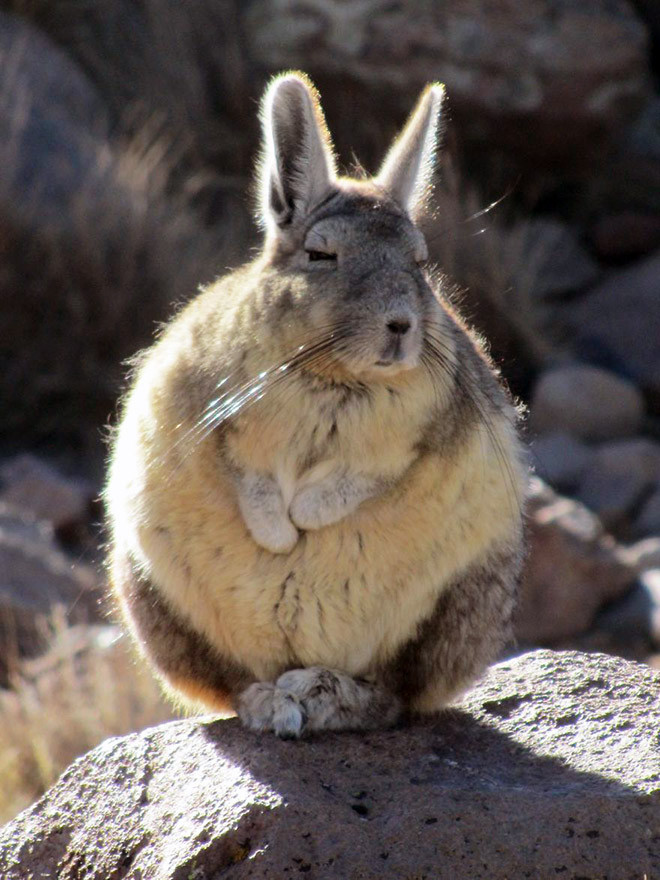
(316, 486)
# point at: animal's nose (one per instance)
(398, 326)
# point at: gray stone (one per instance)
(648, 521)
(643, 554)
(636, 617)
(549, 767)
(592, 403)
(637, 457)
(573, 569)
(560, 263)
(619, 476)
(28, 483)
(612, 496)
(560, 459)
(619, 323)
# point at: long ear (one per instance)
(297, 164)
(407, 171)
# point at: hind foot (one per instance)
(314, 699)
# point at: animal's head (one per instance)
(348, 252)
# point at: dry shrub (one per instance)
(96, 241)
(496, 262)
(87, 687)
(181, 63)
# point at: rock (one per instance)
(644, 554)
(587, 401)
(605, 323)
(637, 457)
(31, 485)
(560, 459)
(637, 616)
(558, 749)
(37, 579)
(612, 497)
(648, 521)
(572, 571)
(549, 80)
(618, 477)
(625, 235)
(557, 259)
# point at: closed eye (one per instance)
(314, 256)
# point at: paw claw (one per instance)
(289, 716)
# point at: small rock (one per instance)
(572, 571)
(589, 402)
(644, 554)
(612, 496)
(648, 521)
(31, 485)
(558, 749)
(559, 262)
(618, 477)
(637, 457)
(37, 579)
(618, 322)
(560, 459)
(635, 617)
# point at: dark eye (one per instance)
(320, 255)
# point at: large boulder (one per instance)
(548, 80)
(618, 324)
(574, 568)
(550, 767)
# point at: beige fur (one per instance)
(186, 507)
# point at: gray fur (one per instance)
(304, 395)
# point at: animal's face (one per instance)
(345, 256)
(359, 260)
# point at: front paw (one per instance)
(313, 508)
(276, 534)
(263, 706)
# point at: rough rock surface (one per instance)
(573, 569)
(592, 403)
(549, 767)
(517, 72)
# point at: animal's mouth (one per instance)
(400, 353)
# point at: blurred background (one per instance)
(128, 137)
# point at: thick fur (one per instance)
(316, 487)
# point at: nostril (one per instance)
(399, 327)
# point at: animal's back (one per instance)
(318, 542)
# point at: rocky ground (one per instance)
(128, 134)
(548, 768)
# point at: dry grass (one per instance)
(87, 687)
(495, 258)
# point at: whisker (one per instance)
(238, 396)
(479, 405)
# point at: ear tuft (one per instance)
(297, 165)
(407, 172)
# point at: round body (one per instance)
(316, 486)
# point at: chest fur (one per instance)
(301, 435)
